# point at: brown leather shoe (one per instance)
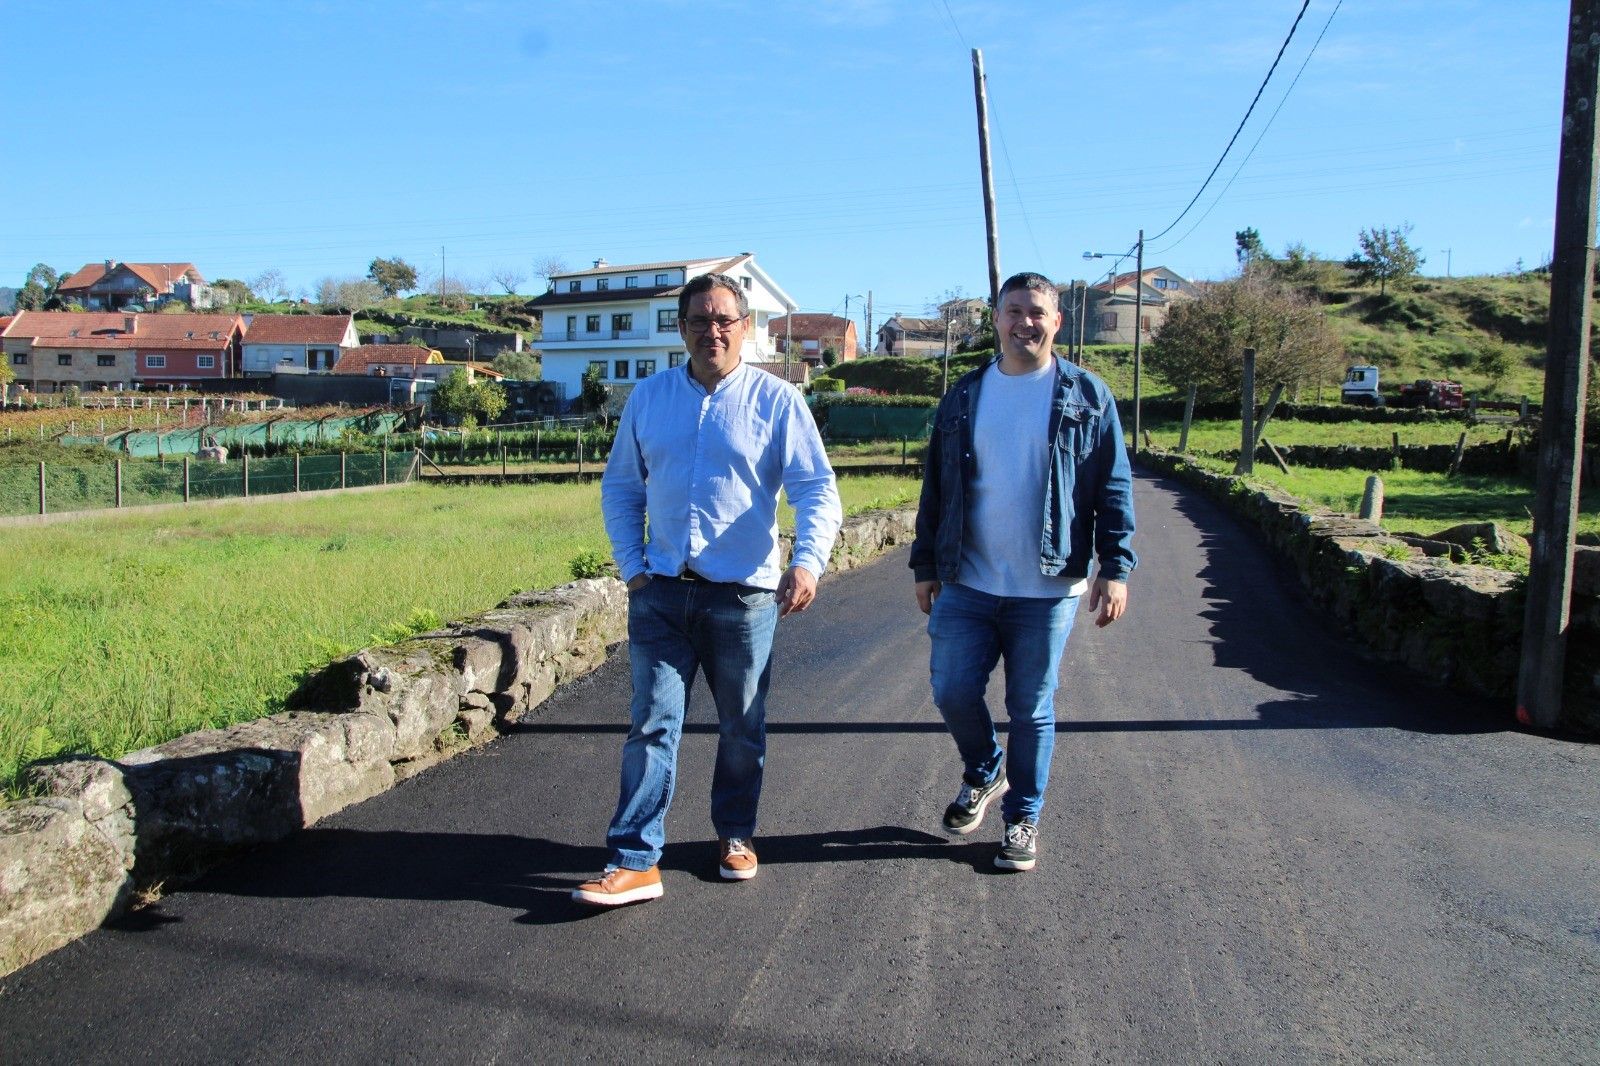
(613, 888)
(738, 859)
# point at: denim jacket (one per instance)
(1088, 503)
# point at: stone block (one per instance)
(59, 879)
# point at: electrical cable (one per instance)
(1235, 137)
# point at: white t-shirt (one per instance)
(1005, 500)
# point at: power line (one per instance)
(1259, 136)
(1236, 132)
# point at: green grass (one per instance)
(121, 631)
(1416, 502)
(1213, 435)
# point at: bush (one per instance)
(825, 385)
(592, 564)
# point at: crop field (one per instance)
(121, 631)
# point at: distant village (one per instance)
(161, 326)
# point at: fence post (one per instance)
(580, 454)
(186, 475)
(41, 487)
(245, 455)
(297, 471)
(502, 457)
(1247, 415)
(1188, 417)
(117, 499)
(1372, 499)
(385, 466)
(538, 431)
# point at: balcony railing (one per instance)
(581, 336)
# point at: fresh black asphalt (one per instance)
(1258, 847)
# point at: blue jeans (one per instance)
(971, 632)
(674, 629)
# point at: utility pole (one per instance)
(1549, 589)
(1083, 316)
(1447, 262)
(1138, 335)
(441, 275)
(869, 318)
(988, 179)
(788, 341)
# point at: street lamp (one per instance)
(1138, 323)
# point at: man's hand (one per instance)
(638, 582)
(1109, 598)
(796, 589)
(927, 592)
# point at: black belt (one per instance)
(690, 575)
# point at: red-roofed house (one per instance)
(814, 334)
(111, 286)
(1109, 319)
(179, 349)
(313, 343)
(49, 351)
(398, 361)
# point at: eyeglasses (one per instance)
(698, 325)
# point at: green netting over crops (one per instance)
(94, 486)
(280, 431)
(879, 423)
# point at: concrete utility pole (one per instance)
(1545, 621)
(990, 229)
(1138, 335)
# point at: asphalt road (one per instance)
(1258, 847)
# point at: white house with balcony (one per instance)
(625, 319)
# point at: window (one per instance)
(621, 370)
(661, 279)
(644, 368)
(574, 286)
(105, 360)
(602, 284)
(64, 359)
(572, 326)
(745, 282)
(666, 319)
(675, 358)
(631, 282)
(591, 323)
(1164, 283)
(1144, 323)
(206, 362)
(19, 359)
(621, 324)
(597, 364)
(155, 362)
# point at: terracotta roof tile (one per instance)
(297, 329)
(159, 276)
(809, 326)
(362, 358)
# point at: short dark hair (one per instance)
(1029, 280)
(707, 282)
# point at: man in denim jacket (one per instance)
(1026, 477)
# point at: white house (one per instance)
(312, 342)
(625, 319)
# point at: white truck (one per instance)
(1361, 387)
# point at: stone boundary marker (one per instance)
(1457, 625)
(103, 832)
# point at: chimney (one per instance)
(130, 323)
(111, 265)
(598, 263)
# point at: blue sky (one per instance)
(836, 139)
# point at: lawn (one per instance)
(121, 631)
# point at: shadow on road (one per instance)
(531, 875)
(1263, 624)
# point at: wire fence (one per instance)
(55, 488)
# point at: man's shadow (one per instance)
(528, 874)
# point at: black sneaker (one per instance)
(1019, 845)
(966, 812)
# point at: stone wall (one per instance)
(1457, 625)
(102, 833)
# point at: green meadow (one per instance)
(122, 631)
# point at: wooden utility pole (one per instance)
(988, 179)
(1247, 416)
(1138, 334)
(1546, 618)
(869, 320)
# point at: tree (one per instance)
(270, 286)
(38, 289)
(508, 278)
(238, 292)
(1202, 341)
(1494, 362)
(830, 357)
(1249, 249)
(348, 294)
(465, 400)
(519, 366)
(393, 276)
(1385, 256)
(596, 396)
(7, 376)
(547, 267)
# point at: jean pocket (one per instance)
(755, 599)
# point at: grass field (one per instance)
(1214, 435)
(122, 631)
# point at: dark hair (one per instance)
(707, 282)
(1029, 280)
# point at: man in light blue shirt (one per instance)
(690, 498)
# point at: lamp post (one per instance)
(1138, 319)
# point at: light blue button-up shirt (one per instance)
(706, 467)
